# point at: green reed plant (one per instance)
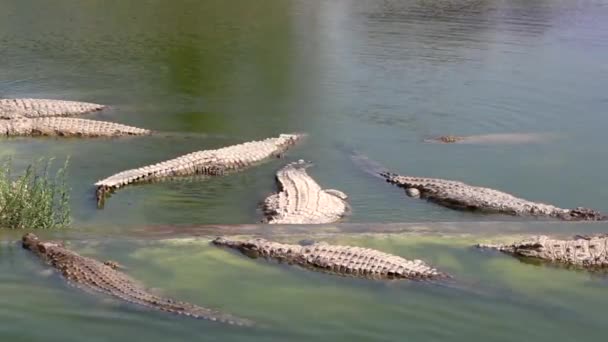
(34, 199)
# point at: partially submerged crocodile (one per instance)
(497, 138)
(588, 252)
(462, 196)
(50, 126)
(301, 200)
(35, 108)
(336, 259)
(208, 162)
(91, 274)
(459, 195)
(30, 117)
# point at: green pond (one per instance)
(491, 297)
(376, 76)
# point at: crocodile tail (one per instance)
(199, 312)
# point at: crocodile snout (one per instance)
(29, 240)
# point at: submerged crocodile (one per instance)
(498, 138)
(459, 195)
(301, 199)
(588, 252)
(91, 274)
(208, 162)
(31, 117)
(336, 259)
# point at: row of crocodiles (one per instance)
(300, 200)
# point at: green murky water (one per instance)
(492, 297)
(376, 76)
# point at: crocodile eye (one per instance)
(42, 248)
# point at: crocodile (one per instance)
(301, 200)
(498, 138)
(61, 126)
(589, 252)
(336, 259)
(462, 196)
(105, 278)
(35, 108)
(207, 162)
(34, 117)
(459, 195)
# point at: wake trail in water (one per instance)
(189, 135)
(368, 166)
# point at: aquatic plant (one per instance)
(35, 199)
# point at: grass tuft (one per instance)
(34, 199)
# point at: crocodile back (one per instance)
(337, 259)
(208, 162)
(33, 108)
(460, 195)
(302, 200)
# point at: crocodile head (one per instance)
(446, 139)
(290, 139)
(250, 248)
(32, 242)
(449, 139)
(529, 247)
(583, 214)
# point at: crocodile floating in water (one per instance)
(35, 108)
(208, 162)
(459, 195)
(583, 251)
(31, 117)
(91, 274)
(336, 259)
(462, 196)
(498, 138)
(301, 200)
(52, 126)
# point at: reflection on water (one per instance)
(492, 296)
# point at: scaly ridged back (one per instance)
(301, 200)
(33, 108)
(54, 126)
(459, 195)
(337, 259)
(211, 162)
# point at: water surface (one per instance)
(493, 297)
(376, 76)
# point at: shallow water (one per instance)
(492, 296)
(374, 76)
